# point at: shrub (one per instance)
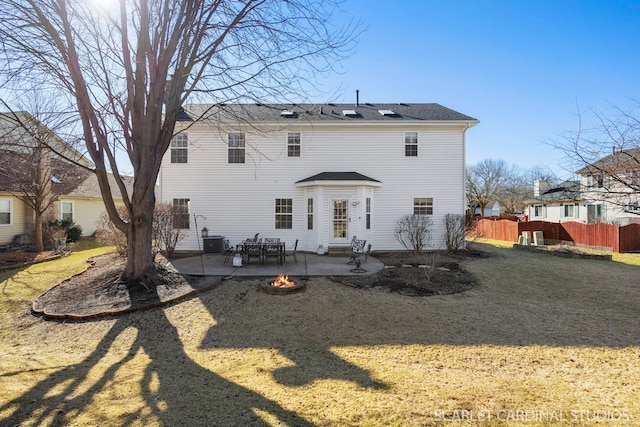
(414, 232)
(454, 236)
(108, 234)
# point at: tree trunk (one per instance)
(140, 268)
(38, 232)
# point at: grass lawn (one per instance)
(542, 340)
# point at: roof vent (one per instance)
(387, 112)
(350, 113)
(288, 113)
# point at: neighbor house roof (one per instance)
(330, 112)
(17, 174)
(566, 191)
(615, 162)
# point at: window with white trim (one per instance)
(180, 148)
(181, 214)
(284, 214)
(293, 144)
(309, 214)
(411, 144)
(66, 211)
(236, 147)
(6, 206)
(539, 211)
(569, 210)
(367, 213)
(423, 206)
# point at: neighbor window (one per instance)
(66, 211)
(236, 148)
(179, 148)
(539, 211)
(411, 144)
(5, 211)
(367, 212)
(284, 214)
(293, 144)
(309, 214)
(569, 210)
(423, 206)
(181, 213)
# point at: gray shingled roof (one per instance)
(566, 191)
(323, 112)
(338, 176)
(614, 163)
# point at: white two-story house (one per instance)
(318, 174)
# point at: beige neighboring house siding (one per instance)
(17, 226)
(86, 212)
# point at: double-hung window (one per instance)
(66, 211)
(236, 148)
(539, 211)
(367, 213)
(423, 206)
(181, 214)
(569, 210)
(180, 148)
(284, 214)
(293, 144)
(411, 144)
(5, 212)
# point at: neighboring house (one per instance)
(74, 189)
(559, 203)
(611, 187)
(488, 211)
(319, 174)
(608, 191)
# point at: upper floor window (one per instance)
(411, 144)
(236, 148)
(5, 212)
(66, 211)
(293, 144)
(284, 214)
(179, 148)
(423, 206)
(181, 213)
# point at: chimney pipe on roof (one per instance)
(357, 98)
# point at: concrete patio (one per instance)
(308, 264)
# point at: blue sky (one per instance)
(523, 68)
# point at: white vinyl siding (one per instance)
(239, 201)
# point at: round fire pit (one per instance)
(282, 285)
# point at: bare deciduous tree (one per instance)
(607, 154)
(414, 232)
(128, 66)
(485, 180)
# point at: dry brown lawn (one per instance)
(541, 341)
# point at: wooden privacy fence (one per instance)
(598, 235)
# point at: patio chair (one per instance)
(293, 252)
(272, 250)
(367, 253)
(357, 249)
(252, 249)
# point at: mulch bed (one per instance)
(19, 257)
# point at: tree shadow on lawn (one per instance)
(185, 392)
